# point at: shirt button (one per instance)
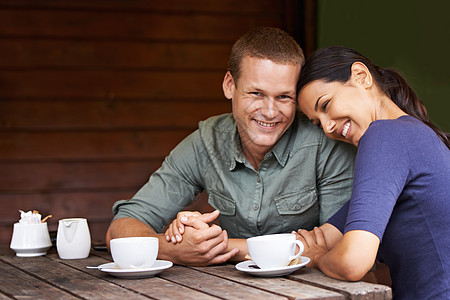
(255, 206)
(297, 206)
(258, 179)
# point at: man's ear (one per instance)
(361, 74)
(228, 85)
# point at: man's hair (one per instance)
(265, 43)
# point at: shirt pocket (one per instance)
(225, 205)
(296, 203)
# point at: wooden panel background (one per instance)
(94, 94)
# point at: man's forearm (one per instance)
(241, 244)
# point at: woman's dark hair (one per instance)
(334, 64)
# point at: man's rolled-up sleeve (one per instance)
(170, 189)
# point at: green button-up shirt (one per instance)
(301, 182)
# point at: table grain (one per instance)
(48, 277)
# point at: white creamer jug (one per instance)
(73, 240)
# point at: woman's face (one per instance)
(343, 110)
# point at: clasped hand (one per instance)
(314, 243)
(198, 242)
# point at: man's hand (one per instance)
(201, 245)
(176, 229)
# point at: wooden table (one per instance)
(48, 277)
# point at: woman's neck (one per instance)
(388, 110)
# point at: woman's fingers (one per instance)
(319, 236)
(307, 237)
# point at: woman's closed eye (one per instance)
(325, 104)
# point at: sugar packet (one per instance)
(31, 217)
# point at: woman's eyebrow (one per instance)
(316, 107)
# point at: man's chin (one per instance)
(266, 142)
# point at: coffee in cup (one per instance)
(134, 252)
(274, 250)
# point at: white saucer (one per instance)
(250, 267)
(114, 270)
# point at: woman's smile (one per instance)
(346, 129)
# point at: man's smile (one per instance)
(265, 124)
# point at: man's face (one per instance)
(263, 101)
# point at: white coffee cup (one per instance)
(134, 252)
(30, 240)
(73, 239)
(274, 250)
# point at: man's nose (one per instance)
(270, 108)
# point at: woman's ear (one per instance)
(361, 74)
(228, 86)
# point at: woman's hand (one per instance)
(315, 244)
(345, 257)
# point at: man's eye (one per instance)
(284, 98)
(257, 94)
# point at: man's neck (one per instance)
(254, 156)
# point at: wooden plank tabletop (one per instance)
(48, 277)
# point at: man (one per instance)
(265, 169)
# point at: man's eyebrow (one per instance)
(251, 89)
(292, 92)
(316, 107)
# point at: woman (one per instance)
(400, 206)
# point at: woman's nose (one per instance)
(329, 126)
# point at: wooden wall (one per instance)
(94, 94)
